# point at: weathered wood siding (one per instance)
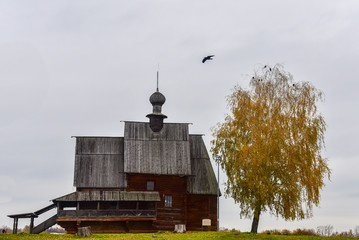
(175, 186)
(99, 162)
(109, 196)
(99, 145)
(165, 152)
(203, 179)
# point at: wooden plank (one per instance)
(45, 225)
(172, 222)
(169, 214)
(203, 180)
(166, 152)
(201, 207)
(170, 209)
(99, 145)
(157, 157)
(101, 171)
(45, 209)
(22, 215)
(110, 213)
(171, 185)
(96, 195)
(105, 219)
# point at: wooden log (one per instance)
(14, 228)
(31, 224)
(106, 219)
(83, 232)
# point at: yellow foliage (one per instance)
(271, 145)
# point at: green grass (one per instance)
(165, 236)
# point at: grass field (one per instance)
(163, 236)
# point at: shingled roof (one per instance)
(203, 179)
(109, 196)
(165, 152)
(102, 162)
(99, 162)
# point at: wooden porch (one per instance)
(108, 211)
(115, 214)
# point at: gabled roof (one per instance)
(99, 162)
(165, 152)
(102, 162)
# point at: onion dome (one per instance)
(157, 99)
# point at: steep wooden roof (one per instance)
(203, 179)
(165, 152)
(109, 196)
(99, 162)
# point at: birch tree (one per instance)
(271, 145)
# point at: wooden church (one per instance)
(154, 177)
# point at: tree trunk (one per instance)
(255, 222)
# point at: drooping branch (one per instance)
(271, 143)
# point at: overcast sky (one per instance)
(70, 68)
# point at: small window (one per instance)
(168, 201)
(150, 185)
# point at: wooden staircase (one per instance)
(40, 227)
(45, 225)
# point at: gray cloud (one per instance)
(79, 68)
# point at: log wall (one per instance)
(175, 186)
(201, 207)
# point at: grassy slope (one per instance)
(163, 236)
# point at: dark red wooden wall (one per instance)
(175, 186)
(188, 209)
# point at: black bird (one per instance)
(265, 66)
(210, 57)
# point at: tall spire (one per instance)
(157, 79)
(158, 75)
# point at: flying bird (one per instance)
(210, 57)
